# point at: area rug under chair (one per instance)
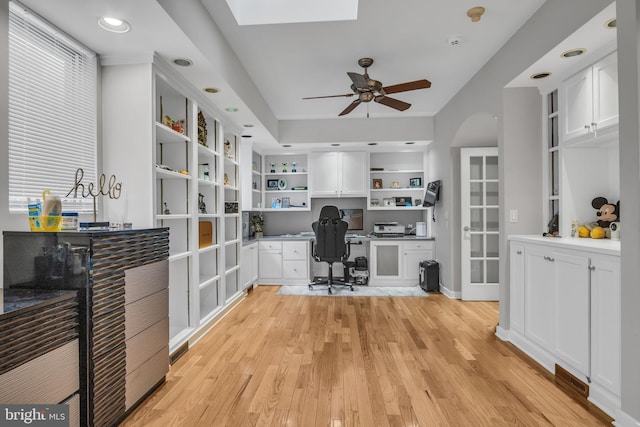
(358, 291)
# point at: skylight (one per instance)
(260, 12)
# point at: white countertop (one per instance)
(600, 246)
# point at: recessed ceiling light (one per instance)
(114, 25)
(183, 62)
(611, 24)
(248, 125)
(372, 143)
(410, 143)
(211, 89)
(573, 52)
(247, 136)
(539, 75)
(286, 145)
(231, 110)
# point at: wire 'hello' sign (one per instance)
(110, 188)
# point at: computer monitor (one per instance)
(432, 194)
(353, 217)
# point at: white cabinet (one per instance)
(565, 310)
(605, 331)
(397, 262)
(284, 262)
(516, 287)
(249, 265)
(589, 101)
(339, 174)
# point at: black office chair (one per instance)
(330, 245)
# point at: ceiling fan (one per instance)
(369, 90)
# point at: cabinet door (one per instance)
(571, 302)
(605, 322)
(385, 263)
(539, 300)
(245, 266)
(605, 92)
(323, 170)
(577, 105)
(412, 254)
(516, 287)
(353, 178)
(270, 264)
(254, 263)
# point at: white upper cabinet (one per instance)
(338, 174)
(589, 101)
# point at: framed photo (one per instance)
(375, 202)
(272, 184)
(415, 182)
(388, 202)
(276, 203)
(377, 184)
(403, 201)
(285, 202)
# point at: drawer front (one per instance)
(297, 269)
(140, 381)
(417, 246)
(269, 245)
(146, 343)
(47, 379)
(295, 250)
(145, 312)
(145, 280)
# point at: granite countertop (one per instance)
(16, 300)
(311, 236)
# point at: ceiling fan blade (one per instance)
(359, 81)
(392, 102)
(329, 96)
(404, 87)
(350, 108)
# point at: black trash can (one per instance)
(430, 275)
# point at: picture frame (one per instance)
(375, 202)
(415, 182)
(377, 184)
(276, 203)
(272, 184)
(402, 201)
(389, 202)
(286, 202)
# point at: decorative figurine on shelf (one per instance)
(202, 129)
(227, 149)
(226, 179)
(273, 167)
(293, 167)
(284, 167)
(166, 210)
(202, 207)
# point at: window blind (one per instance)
(52, 112)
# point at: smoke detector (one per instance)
(454, 41)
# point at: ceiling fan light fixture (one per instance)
(366, 96)
(475, 13)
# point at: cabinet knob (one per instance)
(592, 267)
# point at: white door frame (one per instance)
(480, 235)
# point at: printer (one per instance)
(388, 229)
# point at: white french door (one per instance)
(479, 204)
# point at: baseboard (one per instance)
(449, 293)
(502, 333)
(625, 420)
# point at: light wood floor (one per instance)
(357, 361)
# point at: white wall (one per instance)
(628, 98)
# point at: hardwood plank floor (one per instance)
(357, 361)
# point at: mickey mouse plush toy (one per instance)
(607, 213)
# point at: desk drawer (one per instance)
(296, 269)
(264, 245)
(416, 246)
(295, 250)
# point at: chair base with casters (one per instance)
(330, 282)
